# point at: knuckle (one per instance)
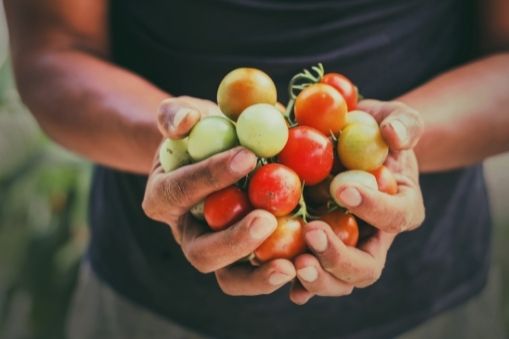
(224, 283)
(373, 274)
(198, 260)
(208, 175)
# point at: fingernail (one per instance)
(242, 162)
(278, 278)
(180, 116)
(262, 227)
(317, 240)
(401, 131)
(308, 274)
(350, 197)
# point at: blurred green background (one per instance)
(43, 231)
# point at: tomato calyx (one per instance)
(299, 82)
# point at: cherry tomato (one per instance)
(286, 242)
(344, 226)
(275, 188)
(242, 88)
(362, 147)
(318, 195)
(309, 153)
(322, 107)
(386, 181)
(173, 154)
(211, 135)
(344, 86)
(225, 207)
(262, 129)
(354, 176)
(360, 117)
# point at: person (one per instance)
(109, 79)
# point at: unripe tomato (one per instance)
(360, 117)
(344, 226)
(225, 207)
(386, 181)
(322, 107)
(354, 176)
(244, 87)
(263, 130)
(362, 147)
(173, 154)
(275, 188)
(211, 135)
(344, 86)
(286, 242)
(309, 153)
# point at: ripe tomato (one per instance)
(286, 242)
(275, 188)
(322, 107)
(262, 129)
(344, 86)
(344, 226)
(386, 181)
(354, 176)
(225, 207)
(318, 195)
(362, 147)
(242, 88)
(211, 135)
(309, 153)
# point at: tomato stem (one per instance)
(303, 210)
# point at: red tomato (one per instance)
(309, 153)
(385, 180)
(344, 226)
(225, 207)
(344, 86)
(322, 107)
(286, 242)
(275, 188)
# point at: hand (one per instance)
(170, 196)
(336, 269)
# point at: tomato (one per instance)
(344, 226)
(173, 154)
(362, 147)
(225, 207)
(309, 153)
(353, 176)
(344, 86)
(386, 181)
(360, 117)
(275, 188)
(280, 107)
(242, 88)
(318, 195)
(286, 242)
(262, 129)
(322, 107)
(211, 135)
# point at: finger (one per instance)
(209, 251)
(391, 213)
(176, 192)
(401, 125)
(298, 294)
(248, 280)
(176, 117)
(316, 280)
(348, 264)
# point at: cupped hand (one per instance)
(335, 269)
(169, 197)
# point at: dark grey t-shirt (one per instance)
(387, 47)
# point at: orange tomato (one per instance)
(344, 226)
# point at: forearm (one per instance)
(92, 107)
(466, 114)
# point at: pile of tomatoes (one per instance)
(319, 141)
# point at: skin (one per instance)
(60, 53)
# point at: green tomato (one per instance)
(263, 130)
(173, 154)
(211, 135)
